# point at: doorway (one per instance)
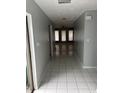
(63, 41)
(31, 43)
(29, 76)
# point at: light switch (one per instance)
(87, 40)
(88, 17)
(37, 44)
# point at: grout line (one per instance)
(91, 78)
(66, 77)
(87, 82)
(66, 72)
(76, 82)
(57, 78)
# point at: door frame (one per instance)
(32, 49)
(51, 39)
(29, 76)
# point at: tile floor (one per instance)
(64, 74)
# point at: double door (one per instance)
(63, 35)
(63, 41)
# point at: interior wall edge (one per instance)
(41, 34)
(43, 12)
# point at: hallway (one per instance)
(64, 74)
(63, 40)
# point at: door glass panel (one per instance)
(63, 35)
(70, 35)
(56, 35)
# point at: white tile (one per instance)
(73, 91)
(62, 75)
(79, 79)
(70, 79)
(70, 75)
(40, 91)
(52, 81)
(62, 79)
(61, 85)
(78, 74)
(71, 85)
(82, 85)
(84, 90)
(92, 86)
(50, 91)
(52, 85)
(93, 91)
(62, 90)
(89, 79)
(65, 75)
(70, 72)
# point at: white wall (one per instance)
(79, 36)
(90, 40)
(41, 37)
(86, 39)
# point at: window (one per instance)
(70, 35)
(63, 35)
(56, 35)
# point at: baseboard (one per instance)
(85, 67)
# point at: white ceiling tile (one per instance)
(70, 11)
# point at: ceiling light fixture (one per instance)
(64, 1)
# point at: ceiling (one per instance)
(65, 14)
